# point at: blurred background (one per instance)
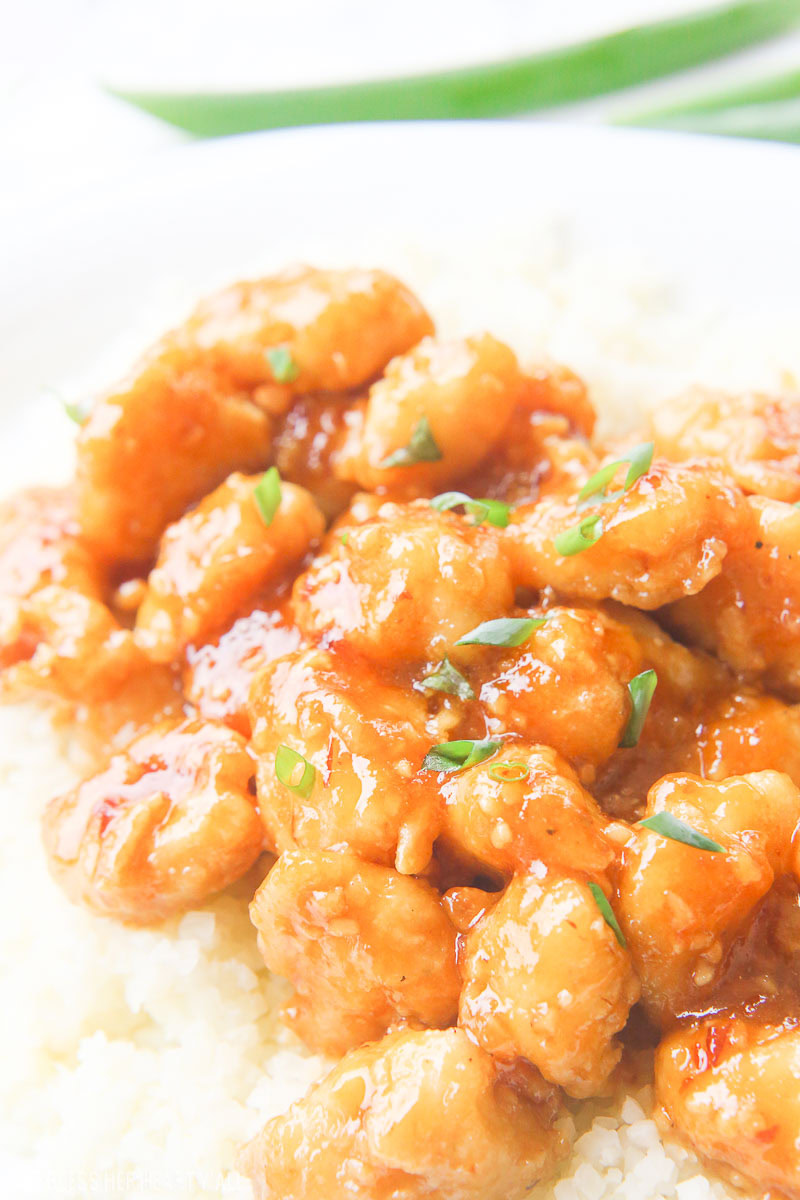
(61, 127)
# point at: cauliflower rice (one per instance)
(136, 1061)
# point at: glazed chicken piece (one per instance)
(417, 1116)
(663, 538)
(404, 585)
(442, 407)
(313, 440)
(169, 821)
(364, 948)
(546, 979)
(750, 615)
(219, 674)
(41, 544)
(364, 740)
(337, 329)
(683, 908)
(566, 685)
(217, 558)
(731, 1087)
(755, 437)
(525, 804)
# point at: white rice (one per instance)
(135, 1062)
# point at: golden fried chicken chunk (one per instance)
(436, 414)
(338, 329)
(364, 739)
(566, 685)
(217, 558)
(161, 441)
(663, 538)
(404, 585)
(417, 1116)
(754, 436)
(525, 804)
(364, 948)
(41, 544)
(682, 907)
(750, 614)
(546, 979)
(169, 821)
(731, 1088)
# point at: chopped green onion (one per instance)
(769, 90)
(505, 631)
(344, 537)
(607, 913)
(267, 495)
(678, 831)
(513, 770)
(457, 756)
(447, 679)
(579, 537)
(640, 689)
(774, 122)
(493, 511)
(284, 368)
(639, 459)
(75, 412)
(421, 447)
(564, 74)
(287, 768)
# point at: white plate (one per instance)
(589, 237)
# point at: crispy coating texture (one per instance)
(731, 1087)
(364, 947)
(217, 558)
(417, 1116)
(168, 822)
(545, 979)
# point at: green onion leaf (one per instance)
(75, 412)
(284, 368)
(639, 459)
(447, 679)
(505, 631)
(288, 765)
(421, 448)
(607, 913)
(493, 511)
(579, 537)
(678, 831)
(344, 537)
(457, 756)
(561, 75)
(640, 689)
(513, 770)
(267, 495)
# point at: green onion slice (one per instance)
(446, 678)
(678, 831)
(639, 461)
(513, 770)
(640, 689)
(284, 368)
(288, 765)
(267, 495)
(75, 412)
(457, 756)
(421, 447)
(505, 631)
(495, 512)
(579, 537)
(607, 913)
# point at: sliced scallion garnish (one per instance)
(505, 631)
(267, 495)
(678, 831)
(607, 913)
(75, 412)
(513, 770)
(639, 461)
(579, 537)
(640, 689)
(421, 447)
(494, 512)
(294, 772)
(457, 756)
(446, 678)
(284, 368)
